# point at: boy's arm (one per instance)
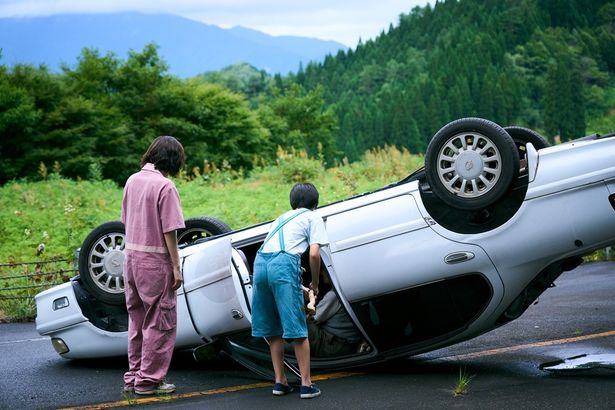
(311, 305)
(315, 266)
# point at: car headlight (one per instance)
(59, 345)
(60, 303)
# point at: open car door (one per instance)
(253, 353)
(217, 288)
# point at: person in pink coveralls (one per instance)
(151, 213)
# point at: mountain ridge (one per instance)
(189, 47)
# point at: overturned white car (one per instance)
(452, 251)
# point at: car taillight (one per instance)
(59, 345)
(612, 200)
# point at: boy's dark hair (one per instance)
(167, 155)
(304, 195)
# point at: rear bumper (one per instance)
(59, 316)
(85, 341)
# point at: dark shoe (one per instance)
(280, 389)
(308, 392)
(162, 388)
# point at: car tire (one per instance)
(521, 136)
(101, 262)
(470, 163)
(101, 257)
(200, 227)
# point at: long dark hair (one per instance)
(167, 155)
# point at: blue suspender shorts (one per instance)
(277, 300)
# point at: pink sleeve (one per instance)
(171, 217)
(123, 214)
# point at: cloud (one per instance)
(344, 20)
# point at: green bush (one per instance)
(296, 167)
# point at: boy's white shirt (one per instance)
(299, 233)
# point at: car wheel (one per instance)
(101, 258)
(470, 163)
(521, 136)
(200, 227)
(101, 262)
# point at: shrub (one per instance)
(296, 166)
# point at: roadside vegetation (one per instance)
(463, 382)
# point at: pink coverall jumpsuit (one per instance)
(150, 208)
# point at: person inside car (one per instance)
(330, 329)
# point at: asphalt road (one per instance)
(576, 317)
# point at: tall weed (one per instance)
(296, 166)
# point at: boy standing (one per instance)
(278, 310)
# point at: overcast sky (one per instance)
(344, 21)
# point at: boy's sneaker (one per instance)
(308, 392)
(162, 388)
(280, 389)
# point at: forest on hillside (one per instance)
(545, 64)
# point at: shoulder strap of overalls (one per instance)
(280, 225)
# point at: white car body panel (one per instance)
(572, 165)
(49, 320)
(401, 236)
(212, 292)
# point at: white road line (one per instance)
(37, 339)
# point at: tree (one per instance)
(303, 122)
(213, 124)
(564, 106)
(137, 81)
(89, 127)
(606, 34)
(18, 119)
(72, 130)
(94, 77)
(242, 79)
